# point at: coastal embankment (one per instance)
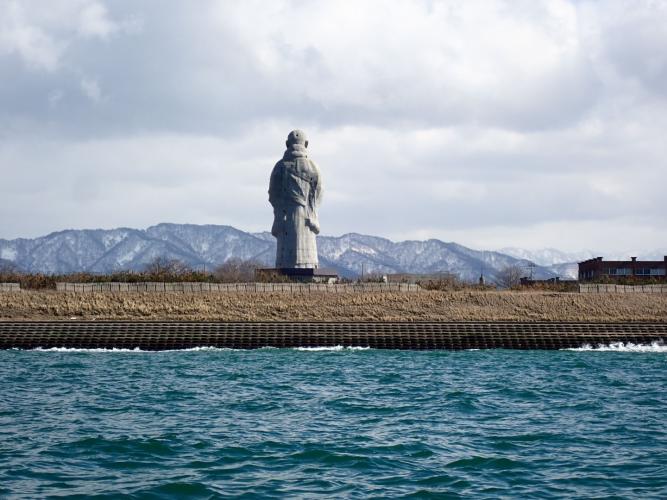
(465, 305)
(419, 335)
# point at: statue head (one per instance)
(297, 137)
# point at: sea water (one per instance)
(334, 423)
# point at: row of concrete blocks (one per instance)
(611, 288)
(165, 335)
(447, 342)
(236, 287)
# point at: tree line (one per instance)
(159, 269)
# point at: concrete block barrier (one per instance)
(155, 335)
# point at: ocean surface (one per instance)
(336, 423)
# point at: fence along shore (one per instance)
(307, 287)
(199, 287)
(612, 288)
(196, 287)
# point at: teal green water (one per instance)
(334, 424)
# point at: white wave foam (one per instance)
(116, 349)
(205, 348)
(624, 347)
(76, 349)
(332, 348)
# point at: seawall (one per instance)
(155, 336)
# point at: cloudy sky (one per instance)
(489, 123)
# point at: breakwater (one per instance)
(155, 335)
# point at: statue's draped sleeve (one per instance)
(314, 198)
(275, 186)
(276, 198)
(317, 188)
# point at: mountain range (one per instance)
(207, 246)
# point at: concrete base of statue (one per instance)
(301, 275)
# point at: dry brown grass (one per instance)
(422, 306)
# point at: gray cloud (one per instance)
(492, 123)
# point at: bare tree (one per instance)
(510, 276)
(237, 271)
(442, 281)
(161, 266)
(372, 277)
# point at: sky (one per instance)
(489, 123)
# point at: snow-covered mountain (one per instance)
(378, 255)
(565, 270)
(657, 254)
(206, 246)
(100, 250)
(550, 256)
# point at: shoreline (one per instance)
(430, 306)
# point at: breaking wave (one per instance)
(333, 348)
(116, 349)
(624, 347)
(190, 349)
(613, 347)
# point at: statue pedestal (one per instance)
(303, 275)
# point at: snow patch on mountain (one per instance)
(548, 256)
(8, 253)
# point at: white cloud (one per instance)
(42, 34)
(493, 123)
(439, 62)
(54, 98)
(91, 89)
(32, 44)
(94, 21)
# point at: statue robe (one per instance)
(295, 191)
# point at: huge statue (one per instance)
(295, 191)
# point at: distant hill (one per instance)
(207, 246)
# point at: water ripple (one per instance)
(340, 423)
